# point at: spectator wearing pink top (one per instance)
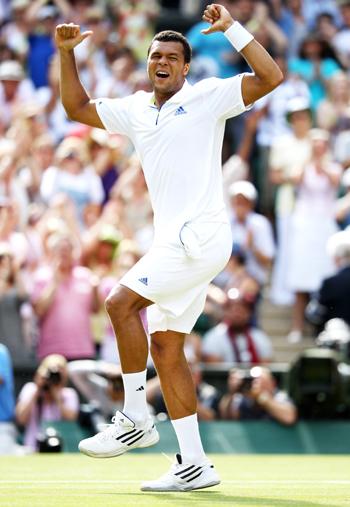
(46, 399)
(64, 297)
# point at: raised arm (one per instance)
(267, 75)
(74, 97)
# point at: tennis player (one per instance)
(177, 132)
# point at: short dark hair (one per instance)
(172, 36)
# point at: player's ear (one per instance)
(186, 69)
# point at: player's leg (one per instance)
(192, 470)
(133, 427)
(123, 306)
(167, 349)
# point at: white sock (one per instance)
(135, 404)
(187, 432)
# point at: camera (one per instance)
(319, 379)
(53, 377)
(49, 440)
(247, 378)
(246, 383)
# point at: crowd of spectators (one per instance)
(75, 214)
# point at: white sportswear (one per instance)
(179, 146)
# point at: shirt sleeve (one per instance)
(263, 344)
(277, 155)
(27, 391)
(5, 366)
(263, 237)
(48, 184)
(114, 114)
(70, 399)
(212, 343)
(223, 97)
(96, 187)
(39, 285)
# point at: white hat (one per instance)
(338, 245)
(19, 4)
(346, 178)
(47, 11)
(297, 104)
(11, 70)
(335, 329)
(244, 188)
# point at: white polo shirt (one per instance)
(179, 146)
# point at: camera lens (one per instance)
(54, 377)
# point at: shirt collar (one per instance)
(177, 97)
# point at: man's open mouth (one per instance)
(162, 74)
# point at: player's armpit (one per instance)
(87, 114)
(253, 88)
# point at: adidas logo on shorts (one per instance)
(144, 281)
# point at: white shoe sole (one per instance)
(175, 488)
(205, 482)
(152, 440)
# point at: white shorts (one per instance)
(176, 272)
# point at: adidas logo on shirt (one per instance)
(141, 388)
(180, 110)
(144, 281)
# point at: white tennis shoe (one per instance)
(184, 477)
(119, 437)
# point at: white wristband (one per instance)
(238, 36)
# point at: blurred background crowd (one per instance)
(75, 213)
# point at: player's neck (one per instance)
(161, 97)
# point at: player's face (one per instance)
(166, 67)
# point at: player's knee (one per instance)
(117, 302)
(156, 351)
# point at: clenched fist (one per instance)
(67, 36)
(218, 17)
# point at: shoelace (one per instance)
(175, 467)
(110, 430)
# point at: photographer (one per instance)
(256, 396)
(46, 399)
(99, 383)
(235, 339)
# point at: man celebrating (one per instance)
(177, 132)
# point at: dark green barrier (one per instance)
(243, 438)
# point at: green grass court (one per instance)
(72, 480)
